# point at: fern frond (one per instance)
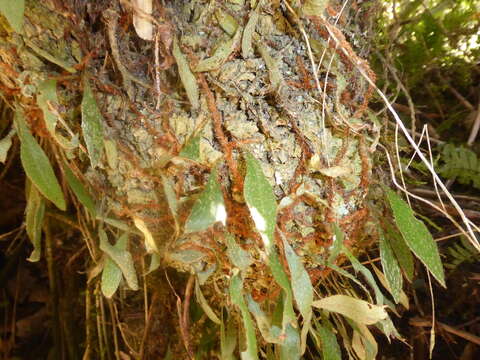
(461, 252)
(460, 163)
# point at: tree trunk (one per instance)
(235, 146)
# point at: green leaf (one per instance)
(239, 257)
(358, 267)
(355, 309)
(290, 349)
(13, 11)
(209, 207)
(236, 295)
(401, 251)
(5, 145)
(92, 125)
(301, 284)
(330, 348)
(271, 333)
(191, 150)
(417, 236)
(186, 76)
(337, 243)
(79, 190)
(112, 274)
(121, 258)
(47, 93)
(34, 214)
(260, 200)
(391, 269)
(314, 7)
(37, 166)
(228, 340)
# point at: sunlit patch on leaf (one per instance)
(260, 200)
(209, 207)
(417, 236)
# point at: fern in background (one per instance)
(461, 252)
(461, 164)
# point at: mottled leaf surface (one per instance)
(301, 284)
(401, 251)
(391, 269)
(92, 127)
(37, 166)
(417, 236)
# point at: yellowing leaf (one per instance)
(226, 21)
(355, 309)
(37, 166)
(92, 125)
(247, 49)
(204, 304)
(314, 7)
(122, 258)
(209, 207)
(417, 236)
(112, 274)
(5, 145)
(13, 11)
(150, 243)
(34, 214)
